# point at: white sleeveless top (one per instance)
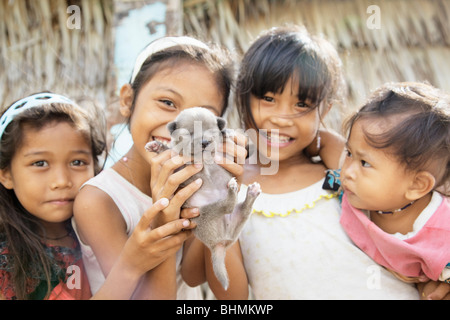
(295, 248)
(132, 203)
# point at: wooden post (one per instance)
(136, 24)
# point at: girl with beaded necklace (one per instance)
(293, 246)
(398, 159)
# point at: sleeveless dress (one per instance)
(132, 203)
(295, 248)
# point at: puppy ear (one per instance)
(172, 126)
(221, 123)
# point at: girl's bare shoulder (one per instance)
(91, 198)
(94, 209)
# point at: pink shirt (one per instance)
(428, 251)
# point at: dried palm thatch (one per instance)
(413, 43)
(40, 52)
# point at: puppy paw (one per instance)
(233, 185)
(153, 146)
(254, 190)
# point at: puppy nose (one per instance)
(205, 143)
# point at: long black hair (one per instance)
(282, 53)
(21, 233)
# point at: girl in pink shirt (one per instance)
(397, 158)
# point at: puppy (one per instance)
(198, 132)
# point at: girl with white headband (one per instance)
(49, 146)
(47, 151)
(170, 75)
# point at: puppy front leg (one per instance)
(219, 208)
(155, 146)
(244, 209)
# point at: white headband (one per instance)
(34, 100)
(442, 104)
(163, 44)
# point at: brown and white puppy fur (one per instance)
(198, 132)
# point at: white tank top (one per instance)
(132, 203)
(295, 248)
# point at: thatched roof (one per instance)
(412, 44)
(39, 51)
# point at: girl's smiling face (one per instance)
(286, 125)
(171, 90)
(48, 169)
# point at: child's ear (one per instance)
(423, 182)
(126, 100)
(6, 179)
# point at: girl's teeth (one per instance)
(280, 139)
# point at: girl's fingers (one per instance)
(166, 236)
(241, 154)
(235, 147)
(172, 212)
(162, 166)
(177, 178)
(174, 228)
(150, 213)
(170, 245)
(165, 181)
(238, 137)
(157, 160)
(440, 292)
(235, 154)
(189, 213)
(234, 168)
(241, 141)
(185, 193)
